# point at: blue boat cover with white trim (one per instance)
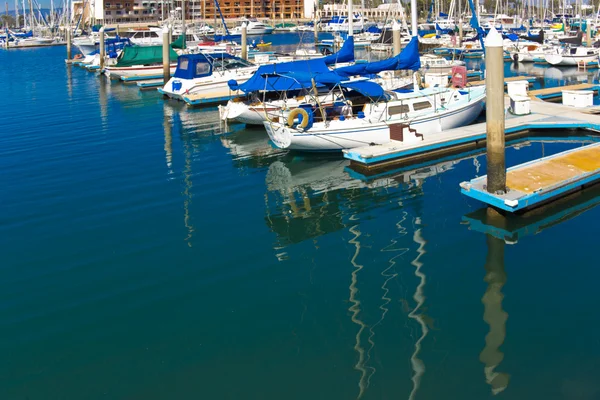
(284, 76)
(407, 59)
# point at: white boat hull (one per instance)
(140, 71)
(355, 132)
(565, 60)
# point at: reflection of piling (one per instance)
(166, 50)
(244, 41)
(102, 49)
(494, 315)
(494, 80)
(396, 38)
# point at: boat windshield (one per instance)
(231, 63)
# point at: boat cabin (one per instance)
(190, 66)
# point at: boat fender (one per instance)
(419, 79)
(306, 118)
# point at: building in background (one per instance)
(132, 11)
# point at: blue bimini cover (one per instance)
(366, 88)
(284, 76)
(345, 54)
(407, 59)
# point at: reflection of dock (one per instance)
(535, 182)
(512, 228)
(543, 116)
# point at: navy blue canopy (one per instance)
(407, 59)
(284, 76)
(191, 66)
(345, 54)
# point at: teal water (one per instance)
(146, 254)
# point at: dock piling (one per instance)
(166, 53)
(68, 37)
(588, 32)
(494, 80)
(244, 41)
(102, 50)
(460, 32)
(396, 38)
(316, 26)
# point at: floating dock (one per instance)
(539, 181)
(371, 159)
(555, 93)
(529, 79)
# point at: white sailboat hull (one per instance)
(338, 135)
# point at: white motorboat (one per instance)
(151, 36)
(140, 62)
(206, 76)
(438, 64)
(528, 51)
(569, 56)
(253, 27)
(426, 111)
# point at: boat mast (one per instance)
(16, 13)
(350, 18)
(30, 15)
(413, 14)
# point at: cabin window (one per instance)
(573, 51)
(153, 34)
(183, 64)
(202, 68)
(401, 109)
(421, 105)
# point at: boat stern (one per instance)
(280, 135)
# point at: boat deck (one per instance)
(216, 97)
(539, 181)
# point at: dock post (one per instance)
(102, 50)
(494, 81)
(460, 32)
(68, 37)
(396, 38)
(166, 52)
(588, 32)
(183, 28)
(244, 41)
(316, 26)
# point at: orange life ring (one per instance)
(78, 56)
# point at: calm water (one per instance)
(147, 255)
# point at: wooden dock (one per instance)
(369, 160)
(556, 92)
(529, 79)
(539, 181)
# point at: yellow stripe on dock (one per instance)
(546, 174)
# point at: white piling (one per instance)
(102, 50)
(396, 38)
(166, 53)
(244, 41)
(494, 81)
(588, 32)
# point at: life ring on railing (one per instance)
(305, 120)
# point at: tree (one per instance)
(7, 20)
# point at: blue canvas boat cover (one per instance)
(366, 88)
(191, 66)
(284, 76)
(407, 59)
(345, 54)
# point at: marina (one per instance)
(227, 210)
